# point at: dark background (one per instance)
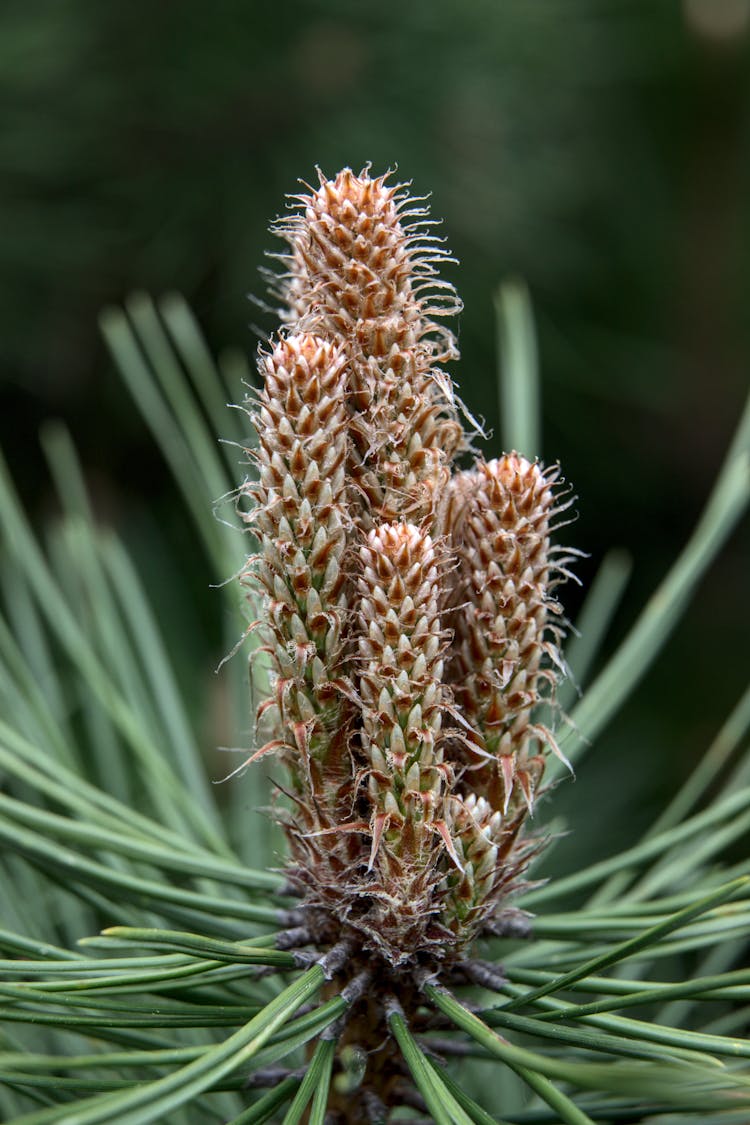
(600, 150)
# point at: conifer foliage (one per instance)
(152, 968)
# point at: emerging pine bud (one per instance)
(300, 517)
(400, 645)
(358, 274)
(491, 864)
(499, 517)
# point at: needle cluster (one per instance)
(408, 604)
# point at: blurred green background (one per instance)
(599, 149)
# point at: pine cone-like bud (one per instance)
(499, 517)
(301, 517)
(361, 273)
(358, 274)
(492, 863)
(400, 683)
